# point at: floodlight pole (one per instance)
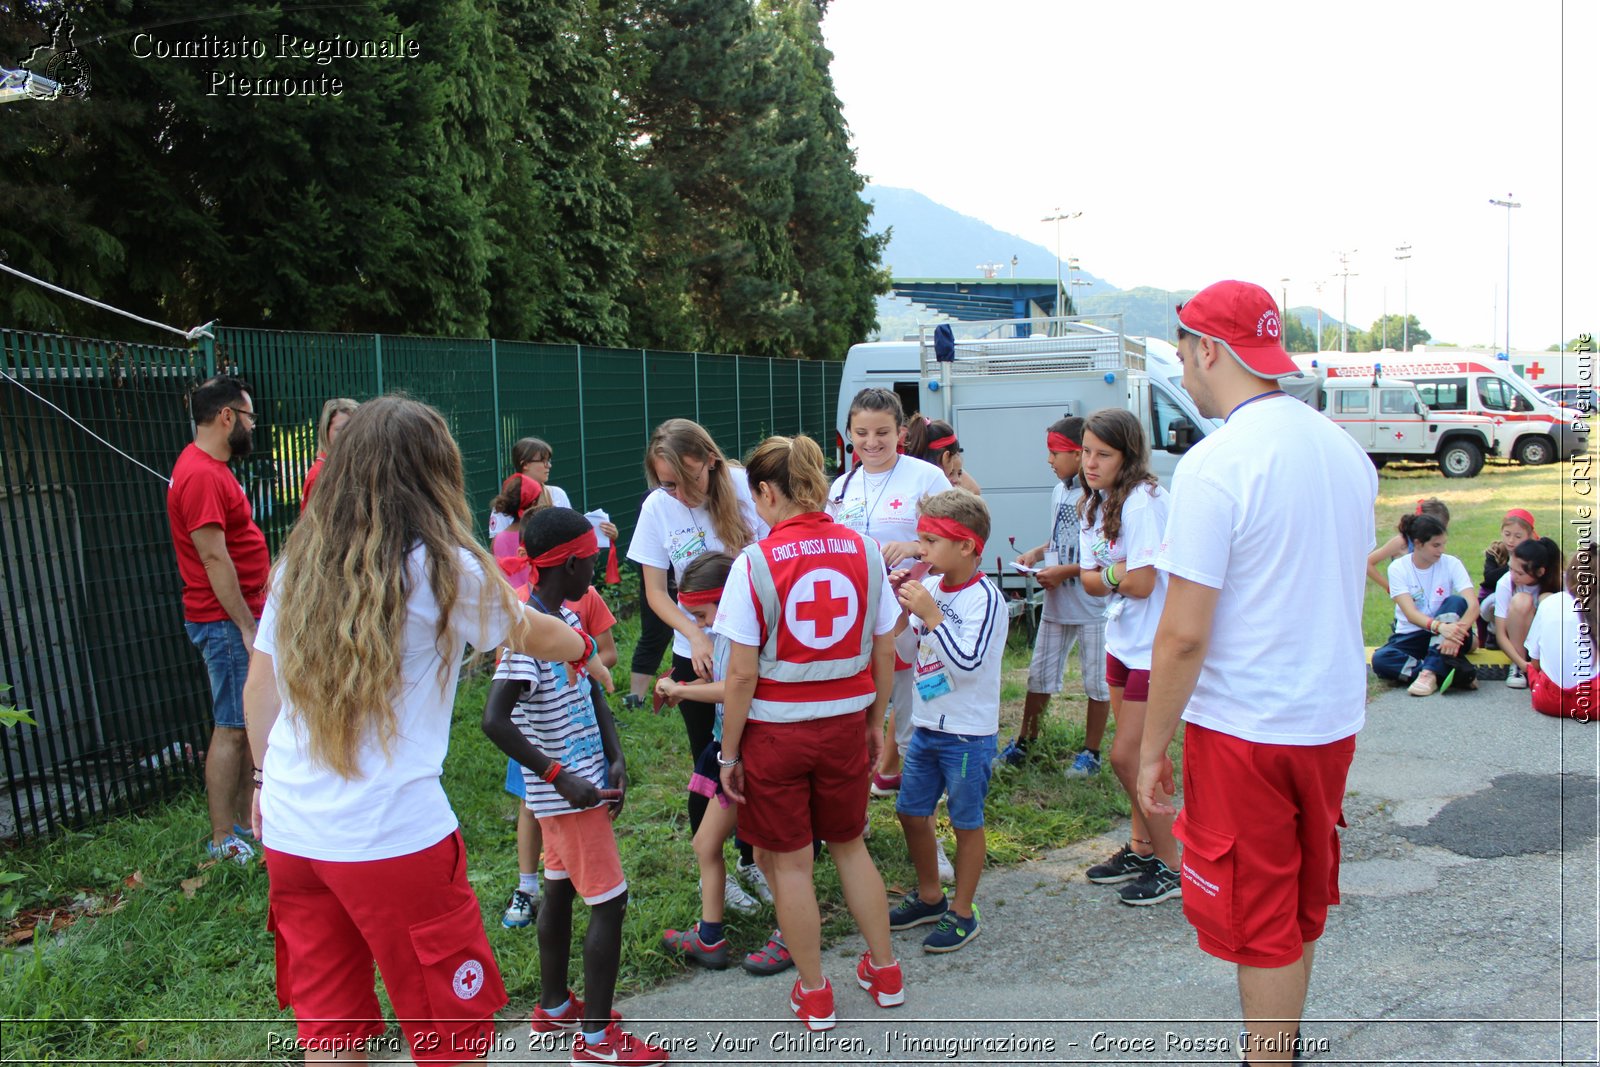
(1508, 204)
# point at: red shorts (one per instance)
(1135, 685)
(1259, 827)
(581, 846)
(804, 781)
(1581, 702)
(417, 918)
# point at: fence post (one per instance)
(697, 387)
(772, 403)
(377, 353)
(644, 382)
(583, 436)
(494, 374)
(208, 348)
(738, 403)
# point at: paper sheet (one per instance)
(595, 518)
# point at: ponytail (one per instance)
(792, 465)
(1542, 557)
(1420, 528)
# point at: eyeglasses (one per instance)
(243, 413)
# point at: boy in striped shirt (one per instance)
(553, 719)
(954, 630)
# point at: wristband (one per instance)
(1111, 579)
(255, 776)
(734, 762)
(551, 771)
(591, 649)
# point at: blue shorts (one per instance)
(955, 765)
(227, 662)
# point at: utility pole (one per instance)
(1403, 254)
(1318, 288)
(1508, 204)
(1344, 313)
(1058, 218)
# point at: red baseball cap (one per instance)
(1244, 317)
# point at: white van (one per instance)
(1529, 428)
(1001, 390)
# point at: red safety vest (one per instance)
(816, 586)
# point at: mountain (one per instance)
(929, 240)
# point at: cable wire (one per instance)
(188, 335)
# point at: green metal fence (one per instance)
(93, 641)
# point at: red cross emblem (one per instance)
(896, 504)
(1399, 435)
(468, 979)
(823, 609)
(1439, 591)
(1535, 371)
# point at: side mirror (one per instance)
(1181, 436)
(1420, 410)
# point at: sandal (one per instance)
(771, 957)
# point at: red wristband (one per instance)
(551, 771)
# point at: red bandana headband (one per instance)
(943, 442)
(950, 530)
(1059, 442)
(530, 491)
(582, 547)
(704, 596)
(1525, 515)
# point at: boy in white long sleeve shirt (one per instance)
(954, 630)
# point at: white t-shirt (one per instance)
(1067, 603)
(1429, 586)
(1274, 510)
(740, 622)
(957, 664)
(1504, 590)
(1556, 641)
(670, 536)
(396, 805)
(884, 506)
(1130, 621)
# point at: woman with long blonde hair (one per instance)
(380, 589)
(335, 413)
(700, 503)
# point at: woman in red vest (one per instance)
(810, 615)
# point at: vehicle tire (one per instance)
(1460, 459)
(1535, 451)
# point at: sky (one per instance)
(1252, 140)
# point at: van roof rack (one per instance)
(1061, 344)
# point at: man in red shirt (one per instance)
(222, 556)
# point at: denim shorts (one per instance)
(955, 765)
(227, 662)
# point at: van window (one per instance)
(1498, 396)
(1354, 402)
(1164, 411)
(1443, 394)
(1396, 402)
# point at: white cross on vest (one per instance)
(821, 609)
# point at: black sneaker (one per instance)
(1158, 883)
(1124, 866)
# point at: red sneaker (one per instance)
(813, 1007)
(544, 1022)
(619, 1046)
(885, 984)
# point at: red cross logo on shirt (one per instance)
(1439, 592)
(896, 504)
(823, 609)
(1535, 371)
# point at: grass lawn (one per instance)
(149, 942)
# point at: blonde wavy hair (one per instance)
(793, 465)
(325, 420)
(676, 439)
(343, 585)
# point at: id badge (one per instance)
(934, 686)
(1114, 608)
(1052, 558)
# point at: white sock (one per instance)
(528, 883)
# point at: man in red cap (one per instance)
(1265, 552)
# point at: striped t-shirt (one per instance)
(957, 664)
(557, 719)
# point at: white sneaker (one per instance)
(736, 899)
(947, 871)
(1515, 679)
(757, 881)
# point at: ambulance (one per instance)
(1529, 428)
